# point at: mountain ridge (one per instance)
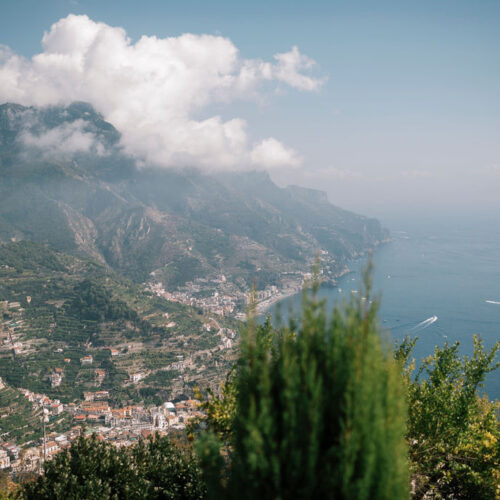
(97, 202)
(100, 255)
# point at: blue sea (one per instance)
(439, 280)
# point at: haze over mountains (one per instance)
(81, 221)
(66, 182)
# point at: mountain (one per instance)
(120, 277)
(67, 182)
(57, 309)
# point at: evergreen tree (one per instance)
(320, 411)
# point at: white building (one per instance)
(226, 343)
(159, 420)
(135, 377)
(87, 360)
(4, 460)
(55, 379)
(56, 408)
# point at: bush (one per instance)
(453, 432)
(92, 469)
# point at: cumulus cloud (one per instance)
(288, 69)
(155, 89)
(271, 153)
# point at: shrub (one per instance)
(453, 432)
(92, 469)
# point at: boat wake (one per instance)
(493, 302)
(424, 324)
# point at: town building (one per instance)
(4, 460)
(55, 379)
(87, 360)
(135, 377)
(100, 374)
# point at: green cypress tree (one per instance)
(320, 409)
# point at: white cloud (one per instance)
(271, 153)
(288, 70)
(154, 89)
(66, 139)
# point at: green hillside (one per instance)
(17, 416)
(72, 307)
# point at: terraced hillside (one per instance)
(17, 416)
(70, 325)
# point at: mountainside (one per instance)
(57, 310)
(121, 282)
(67, 183)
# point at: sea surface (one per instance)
(440, 282)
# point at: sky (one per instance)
(391, 107)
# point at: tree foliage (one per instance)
(453, 432)
(219, 409)
(29, 255)
(92, 301)
(93, 469)
(320, 411)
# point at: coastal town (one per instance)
(55, 424)
(122, 426)
(220, 295)
(58, 422)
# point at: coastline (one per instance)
(262, 307)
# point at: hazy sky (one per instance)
(389, 106)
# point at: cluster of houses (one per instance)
(219, 296)
(119, 426)
(29, 458)
(223, 298)
(4, 459)
(56, 377)
(267, 293)
(51, 406)
(227, 337)
(95, 410)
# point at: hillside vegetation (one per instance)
(71, 307)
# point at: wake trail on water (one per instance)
(493, 302)
(424, 324)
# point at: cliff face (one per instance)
(67, 183)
